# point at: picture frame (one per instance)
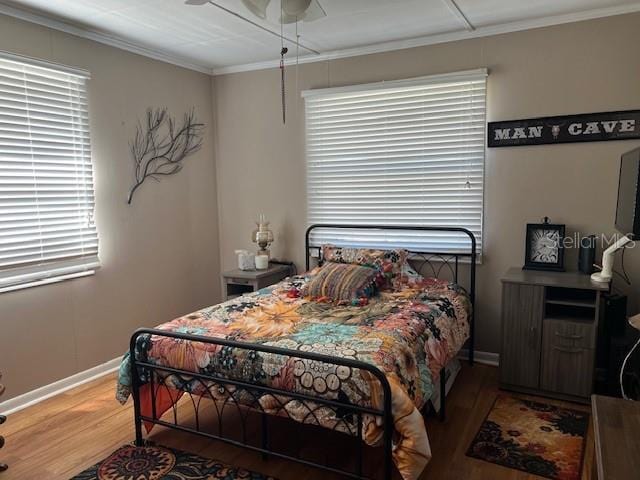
(544, 249)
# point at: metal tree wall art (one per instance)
(160, 146)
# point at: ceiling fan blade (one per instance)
(314, 12)
(196, 2)
(257, 7)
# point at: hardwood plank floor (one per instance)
(63, 435)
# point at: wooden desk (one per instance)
(616, 424)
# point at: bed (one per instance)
(363, 370)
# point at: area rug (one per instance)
(536, 438)
(161, 463)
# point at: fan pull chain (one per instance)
(284, 106)
(283, 51)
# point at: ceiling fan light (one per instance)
(257, 7)
(313, 11)
(287, 19)
(295, 8)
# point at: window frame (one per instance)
(27, 274)
(461, 76)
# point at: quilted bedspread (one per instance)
(409, 333)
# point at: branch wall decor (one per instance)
(160, 146)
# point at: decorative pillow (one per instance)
(389, 262)
(343, 283)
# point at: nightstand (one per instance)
(239, 282)
(549, 328)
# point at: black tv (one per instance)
(628, 210)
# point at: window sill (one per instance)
(47, 281)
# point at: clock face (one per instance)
(545, 246)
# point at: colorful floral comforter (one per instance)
(409, 333)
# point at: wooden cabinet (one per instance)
(522, 325)
(549, 325)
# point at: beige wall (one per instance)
(576, 68)
(159, 255)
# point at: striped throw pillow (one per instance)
(389, 262)
(344, 283)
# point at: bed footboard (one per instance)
(145, 373)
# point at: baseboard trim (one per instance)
(486, 358)
(25, 400)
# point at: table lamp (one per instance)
(263, 236)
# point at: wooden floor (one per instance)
(63, 435)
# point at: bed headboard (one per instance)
(437, 263)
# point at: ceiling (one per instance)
(212, 39)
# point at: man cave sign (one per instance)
(588, 127)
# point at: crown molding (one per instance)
(100, 37)
(157, 54)
(440, 38)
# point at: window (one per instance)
(47, 231)
(409, 152)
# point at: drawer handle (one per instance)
(572, 337)
(568, 350)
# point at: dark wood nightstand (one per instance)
(549, 328)
(239, 282)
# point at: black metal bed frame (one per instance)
(245, 396)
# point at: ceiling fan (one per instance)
(291, 11)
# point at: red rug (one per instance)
(533, 437)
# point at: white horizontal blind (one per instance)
(398, 153)
(46, 181)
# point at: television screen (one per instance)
(628, 211)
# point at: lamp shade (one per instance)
(635, 321)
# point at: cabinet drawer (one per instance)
(568, 333)
(239, 281)
(567, 369)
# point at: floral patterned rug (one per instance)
(160, 463)
(536, 438)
